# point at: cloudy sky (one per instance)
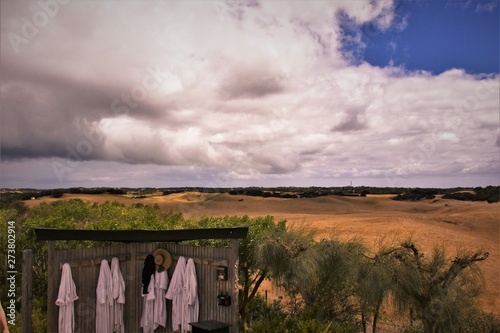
(249, 93)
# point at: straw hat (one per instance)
(163, 259)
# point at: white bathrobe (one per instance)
(160, 307)
(175, 293)
(104, 300)
(147, 319)
(65, 300)
(118, 296)
(191, 306)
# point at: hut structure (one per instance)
(218, 294)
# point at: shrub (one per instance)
(271, 318)
(489, 194)
(416, 194)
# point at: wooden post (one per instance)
(234, 262)
(51, 289)
(27, 291)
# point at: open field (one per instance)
(454, 224)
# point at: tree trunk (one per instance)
(248, 296)
(363, 321)
(375, 315)
(428, 327)
(429, 322)
(244, 301)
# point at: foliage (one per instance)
(416, 194)
(335, 284)
(436, 291)
(342, 284)
(324, 273)
(375, 280)
(490, 194)
(260, 310)
(331, 284)
(412, 329)
(270, 318)
(477, 321)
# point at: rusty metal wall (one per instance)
(85, 265)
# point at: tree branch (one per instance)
(458, 265)
(257, 284)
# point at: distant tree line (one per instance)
(9, 197)
(489, 194)
(416, 194)
(310, 192)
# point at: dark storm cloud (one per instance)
(44, 112)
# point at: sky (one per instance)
(243, 93)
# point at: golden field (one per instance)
(450, 223)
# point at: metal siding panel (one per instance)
(86, 277)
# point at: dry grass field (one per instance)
(450, 223)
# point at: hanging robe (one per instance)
(147, 319)
(160, 307)
(104, 300)
(175, 293)
(118, 285)
(191, 306)
(65, 300)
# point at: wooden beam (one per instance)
(141, 236)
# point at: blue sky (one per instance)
(438, 36)
(229, 93)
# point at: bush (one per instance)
(57, 193)
(271, 318)
(478, 321)
(490, 194)
(416, 194)
(412, 329)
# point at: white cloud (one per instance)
(237, 92)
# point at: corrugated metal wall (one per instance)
(85, 265)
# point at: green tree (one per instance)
(435, 290)
(374, 283)
(334, 292)
(285, 255)
(322, 274)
